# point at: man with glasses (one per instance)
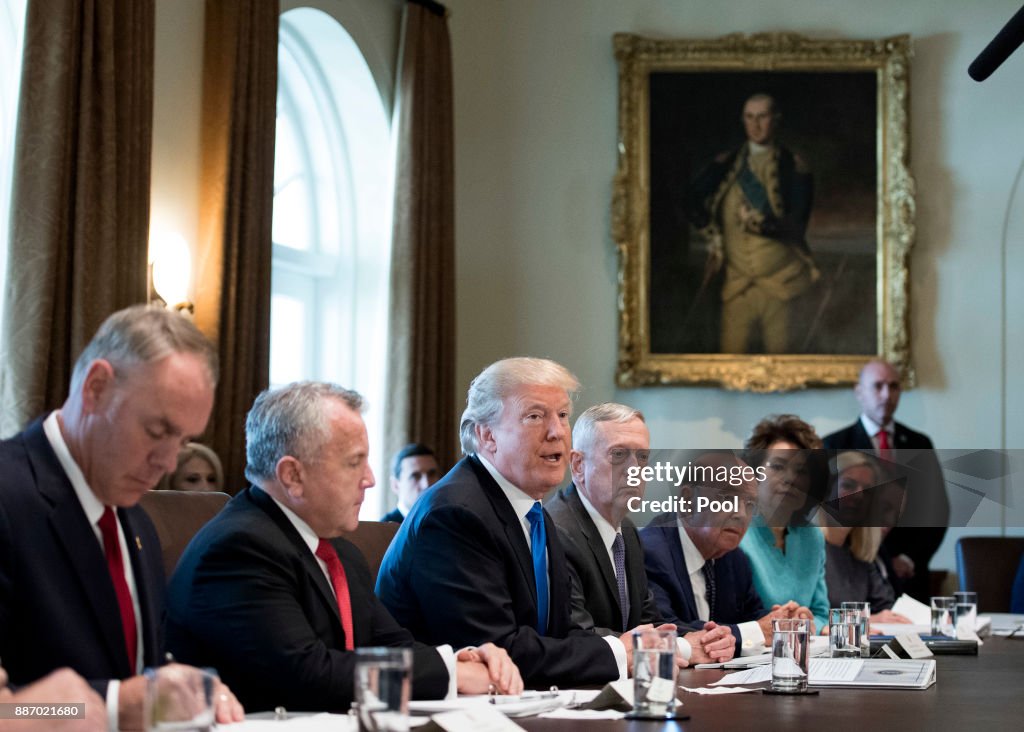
(694, 565)
(610, 592)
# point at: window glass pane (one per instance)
(332, 220)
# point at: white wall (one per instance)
(535, 103)
(535, 95)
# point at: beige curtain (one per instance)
(421, 375)
(236, 208)
(80, 203)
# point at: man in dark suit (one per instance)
(414, 469)
(478, 559)
(694, 565)
(609, 582)
(271, 597)
(81, 578)
(908, 457)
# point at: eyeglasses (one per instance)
(619, 455)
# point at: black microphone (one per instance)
(999, 48)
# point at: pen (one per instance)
(526, 696)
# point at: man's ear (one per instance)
(686, 493)
(97, 385)
(394, 484)
(576, 467)
(290, 475)
(484, 438)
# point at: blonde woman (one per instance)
(851, 548)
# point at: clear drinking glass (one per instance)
(844, 633)
(942, 615)
(178, 698)
(383, 685)
(965, 615)
(654, 673)
(864, 608)
(791, 640)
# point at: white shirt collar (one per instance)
(92, 505)
(309, 536)
(521, 502)
(604, 528)
(757, 148)
(694, 559)
(873, 428)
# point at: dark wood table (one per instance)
(983, 692)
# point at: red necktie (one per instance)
(325, 551)
(884, 448)
(115, 565)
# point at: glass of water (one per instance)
(864, 608)
(791, 639)
(179, 698)
(965, 612)
(654, 673)
(844, 633)
(383, 685)
(942, 615)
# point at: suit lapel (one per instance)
(71, 530)
(146, 588)
(594, 543)
(511, 524)
(861, 439)
(679, 565)
(309, 562)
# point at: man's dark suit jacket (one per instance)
(926, 515)
(460, 571)
(394, 516)
(57, 601)
(250, 599)
(596, 605)
(736, 600)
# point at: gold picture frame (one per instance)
(679, 101)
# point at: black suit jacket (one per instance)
(923, 523)
(57, 601)
(736, 600)
(394, 516)
(249, 599)
(595, 602)
(459, 571)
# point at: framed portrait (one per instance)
(763, 210)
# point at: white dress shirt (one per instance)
(873, 428)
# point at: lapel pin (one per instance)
(138, 543)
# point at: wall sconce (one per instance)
(170, 271)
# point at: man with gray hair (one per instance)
(81, 577)
(270, 595)
(478, 559)
(610, 592)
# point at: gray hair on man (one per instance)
(143, 334)
(484, 402)
(291, 421)
(585, 429)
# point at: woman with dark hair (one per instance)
(786, 553)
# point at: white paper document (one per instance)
(872, 673)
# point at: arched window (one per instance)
(12, 26)
(332, 217)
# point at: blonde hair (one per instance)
(864, 542)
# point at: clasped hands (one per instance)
(483, 668)
(712, 644)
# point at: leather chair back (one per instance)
(373, 538)
(178, 515)
(987, 565)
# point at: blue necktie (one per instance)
(539, 543)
